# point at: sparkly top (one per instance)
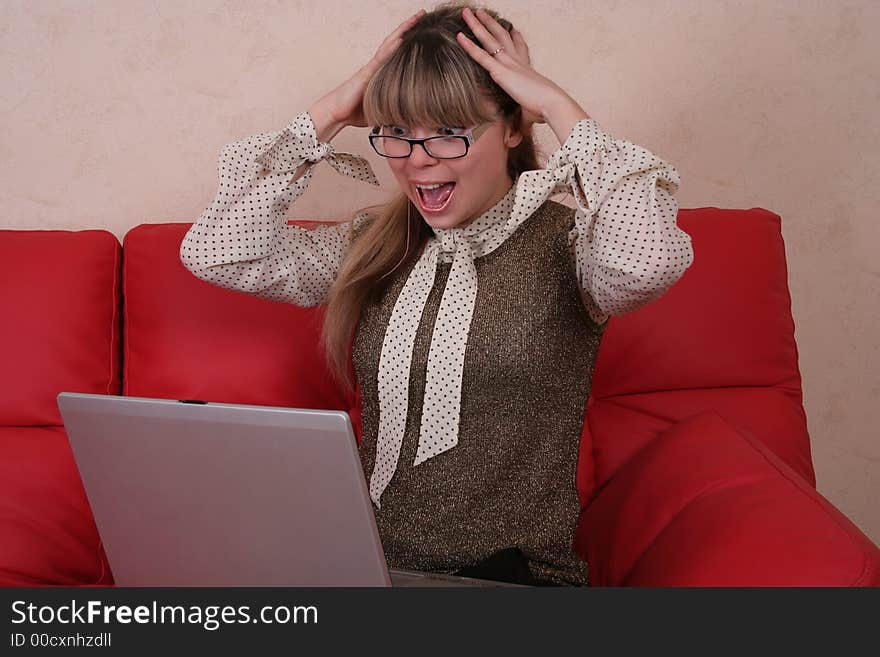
(511, 479)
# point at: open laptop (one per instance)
(189, 493)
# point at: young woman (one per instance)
(471, 305)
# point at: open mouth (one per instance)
(437, 199)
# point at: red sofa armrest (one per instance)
(705, 504)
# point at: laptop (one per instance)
(188, 493)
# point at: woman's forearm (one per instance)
(325, 126)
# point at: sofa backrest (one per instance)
(60, 329)
(188, 339)
(60, 323)
(722, 339)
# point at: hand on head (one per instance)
(344, 105)
(510, 66)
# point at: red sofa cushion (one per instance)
(188, 339)
(63, 333)
(721, 338)
(706, 505)
(48, 532)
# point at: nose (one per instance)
(419, 156)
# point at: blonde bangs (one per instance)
(427, 83)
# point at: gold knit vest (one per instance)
(528, 366)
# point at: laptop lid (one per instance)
(212, 494)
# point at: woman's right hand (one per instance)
(344, 105)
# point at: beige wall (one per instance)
(113, 114)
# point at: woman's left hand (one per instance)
(511, 68)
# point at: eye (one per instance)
(397, 130)
(447, 131)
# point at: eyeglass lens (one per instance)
(439, 147)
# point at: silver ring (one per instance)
(497, 51)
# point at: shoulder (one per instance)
(559, 210)
(547, 229)
(558, 217)
(558, 225)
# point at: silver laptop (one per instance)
(189, 493)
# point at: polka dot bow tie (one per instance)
(442, 401)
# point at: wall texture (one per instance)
(113, 114)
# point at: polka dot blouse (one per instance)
(626, 247)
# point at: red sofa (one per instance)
(695, 465)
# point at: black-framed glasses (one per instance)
(441, 147)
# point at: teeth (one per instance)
(430, 186)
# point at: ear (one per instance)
(513, 135)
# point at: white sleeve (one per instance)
(241, 241)
(627, 246)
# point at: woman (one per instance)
(472, 307)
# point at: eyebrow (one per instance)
(440, 127)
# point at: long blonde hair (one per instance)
(429, 80)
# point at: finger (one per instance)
(405, 25)
(411, 19)
(486, 39)
(520, 44)
(393, 40)
(495, 28)
(481, 56)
